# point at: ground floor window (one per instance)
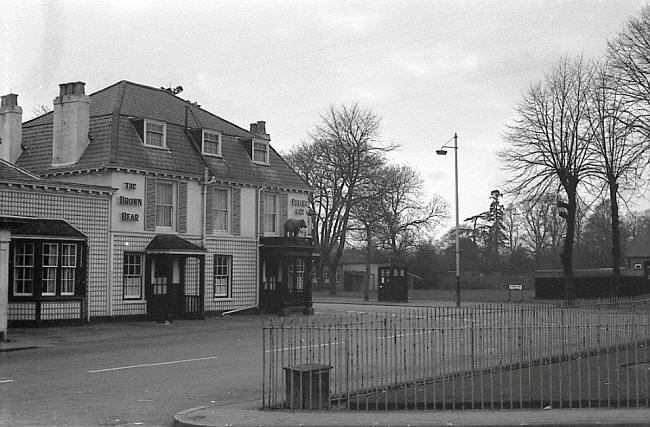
(222, 276)
(133, 277)
(46, 268)
(23, 283)
(68, 268)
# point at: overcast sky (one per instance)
(427, 68)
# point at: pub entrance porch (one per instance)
(285, 275)
(174, 279)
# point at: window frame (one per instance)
(25, 267)
(125, 276)
(68, 268)
(145, 134)
(46, 279)
(218, 142)
(227, 210)
(275, 214)
(255, 150)
(173, 206)
(227, 276)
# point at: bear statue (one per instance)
(293, 226)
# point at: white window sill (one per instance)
(134, 301)
(155, 147)
(224, 299)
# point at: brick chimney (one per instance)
(11, 128)
(71, 121)
(259, 128)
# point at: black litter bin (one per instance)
(308, 386)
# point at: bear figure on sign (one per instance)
(293, 226)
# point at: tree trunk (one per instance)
(616, 241)
(332, 275)
(567, 253)
(366, 284)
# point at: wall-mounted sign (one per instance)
(130, 217)
(302, 204)
(130, 201)
(299, 202)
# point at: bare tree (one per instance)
(40, 110)
(342, 150)
(548, 146)
(630, 57)
(618, 149)
(404, 213)
(543, 229)
(512, 223)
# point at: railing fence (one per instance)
(491, 356)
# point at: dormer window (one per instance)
(211, 143)
(260, 152)
(155, 134)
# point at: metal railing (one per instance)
(489, 356)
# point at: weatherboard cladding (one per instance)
(115, 111)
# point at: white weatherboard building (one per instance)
(182, 212)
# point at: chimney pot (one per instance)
(11, 129)
(10, 100)
(79, 88)
(261, 127)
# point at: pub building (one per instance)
(178, 212)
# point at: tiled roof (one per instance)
(115, 141)
(9, 172)
(639, 247)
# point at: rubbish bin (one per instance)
(308, 386)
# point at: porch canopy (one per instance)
(41, 227)
(172, 244)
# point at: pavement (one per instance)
(249, 414)
(245, 415)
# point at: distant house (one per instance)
(182, 212)
(637, 255)
(352, 268)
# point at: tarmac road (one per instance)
(136, 373)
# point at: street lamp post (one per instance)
(443, 152)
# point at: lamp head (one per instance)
(441, 152)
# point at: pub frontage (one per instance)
(174, 212)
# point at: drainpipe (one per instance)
(109, 267)
(204, 196)
(259, 246)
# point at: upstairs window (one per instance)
(270, 213)
(211, 143)
(164, 204)
(155, 134)
(220, 209)
(260, 152)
